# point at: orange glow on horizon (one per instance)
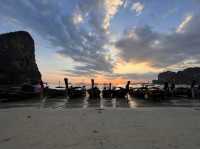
(53, 79)
(123, 67)
(99, 79)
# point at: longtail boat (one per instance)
(107, 92)
(120, 92)
(94, 92)
(77, 92)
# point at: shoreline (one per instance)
(131, 103)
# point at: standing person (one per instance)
(198, 92)
(172, 89)
(193, 89)
(166, 88)
(42, 88)
(127, 86)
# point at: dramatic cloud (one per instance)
(85, 43)
(82, 31)
(142, 44)
(100, 12)
(137, 7)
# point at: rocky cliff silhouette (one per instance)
(17, 59)
(181, 77)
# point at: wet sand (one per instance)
(122, 128)
(132, 103)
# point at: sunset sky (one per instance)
(109, 40)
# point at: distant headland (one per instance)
(185, 76)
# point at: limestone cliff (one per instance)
(181, 77)
(17, 59)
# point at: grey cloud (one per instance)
(94, 9)
(171, 49)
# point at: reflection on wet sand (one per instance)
(102, 103)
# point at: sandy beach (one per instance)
(140, 128)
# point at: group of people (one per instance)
(169, 89)
(194, 91)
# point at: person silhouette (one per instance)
(166, 88)
(193, 88)
(172, 88)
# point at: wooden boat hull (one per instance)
(138, 92)
(76, 93)
(94, 93)
(121, 93)
(52, 93)
(107, 94)
(147, 93)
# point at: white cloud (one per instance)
(161, 49)
(137, 7)
(100, 12)
(77, 18)
(183, 24)
(111, 8)
(126, 3)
